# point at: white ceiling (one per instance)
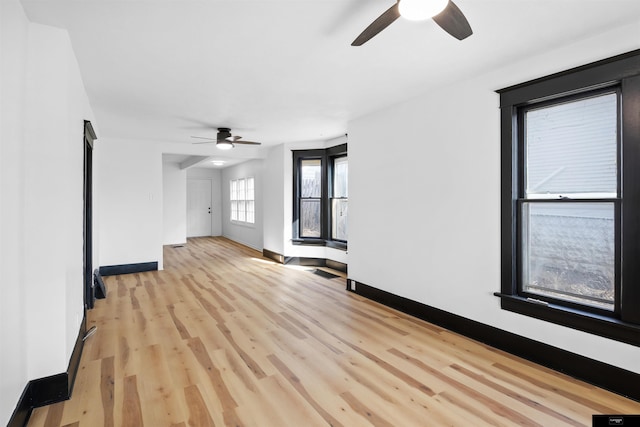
(283, 70)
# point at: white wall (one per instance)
(273, 200)
(250, 234)
(424, 216)
(174, 204)
(128, 178)
(42, 120)
(216, 195)
(13, 344)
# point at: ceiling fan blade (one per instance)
(453, 21)
(247, 142)
(203, 137)
(382, 22)
(204, 142)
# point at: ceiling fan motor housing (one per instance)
(224, 133)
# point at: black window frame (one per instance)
(326, 156)
(332, 196)
(621, 72)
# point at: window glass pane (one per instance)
(241, 189)
(241, 210)
(311, 178)
(572, 148)
(251, 216)
(340, 175)
(339, 219)
(250, 191)
(310, 218)
(234, 210)
(233, 190)
(568, 251)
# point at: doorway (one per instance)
(198, 207)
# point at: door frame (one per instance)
(87, 216)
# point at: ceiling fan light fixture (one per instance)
(419, 10)
(224, 145)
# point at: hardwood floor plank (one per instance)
(225, 399)
(225, 337)
(182, 330)
(299, 387)
(367, 413)
(54, 415)
(107, 390)
(131, 410)
(198, 412)
(516, 396)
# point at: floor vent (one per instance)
(326, 274)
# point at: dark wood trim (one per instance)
(630, 233)
(602, 325)
(273, 256)
(306, 262)
(592, 75)
(326, 156)
(335, 265)
(21, 414)
(87, 215)
(112, 270)
(52, 389)
(76, 355)
(600, 374)
(99, 288)
(619, 73)
(49, 390)
(311, 262)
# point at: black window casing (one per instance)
(621, 72)
(326, 156)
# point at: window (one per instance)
(320, 197)
(339, 200)
(571, 196)
(310, 197)
(242, 200)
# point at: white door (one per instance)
(198, 207)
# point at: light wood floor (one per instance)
(225, 337)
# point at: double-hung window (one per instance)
(339, 198)
(310, 201)
(242, 200)
(320, 196)
(571, 198)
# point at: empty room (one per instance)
(319, 213)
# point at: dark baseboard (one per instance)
(100, 290)
(317, 262)
(307, 262)
(21, 414)
(273, 256)
(76, 355)
(603, 375)
(112, 270)
(338, 266)
(49, 390)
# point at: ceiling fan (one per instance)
(224, 140)
(444, 12)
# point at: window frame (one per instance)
(326, 157)
(332, 196)
(623, 71)
(235, 196)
